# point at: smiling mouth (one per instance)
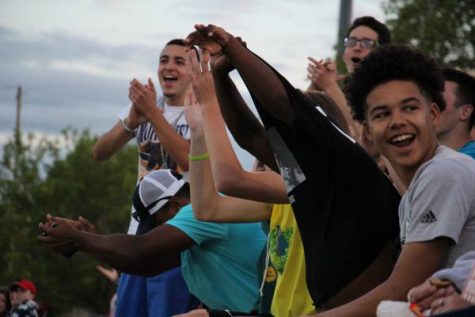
(402, 140)
(169, 78)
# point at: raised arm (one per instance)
(237, 114)
(324, 77)
(228, 174)
(148, 254)
(264, 83)
(145, 99)
(118, 136)
(207, 203)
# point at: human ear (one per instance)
(366, 132)
(435, 113)
(466, 112)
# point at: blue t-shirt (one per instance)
(221, 269)
(468, 148)
(163, 295)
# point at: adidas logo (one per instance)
(428, 217)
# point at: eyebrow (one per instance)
(409, 99)
(380, 107)
(406, 100)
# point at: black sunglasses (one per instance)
(365, 43)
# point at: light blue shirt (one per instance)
(221, 269)
(468, 148)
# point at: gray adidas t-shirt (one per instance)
(440, 202)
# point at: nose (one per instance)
(358, 46)
(397, 119)
(169, 65)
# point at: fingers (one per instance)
(86, 224)
(314, 72)
(340, 77)
(195, 66)
(151, 85)
(241, 41)
(211, 29)
(188, 96)
(205, 57)
(49, 218)
(314, 61)
(137, 86)
(329, 65)
(193, 100)
(437, 304)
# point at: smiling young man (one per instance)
(397, 93)
(162, 136)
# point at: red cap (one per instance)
(27, 285)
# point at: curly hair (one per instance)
(394, 62)
(466, 88)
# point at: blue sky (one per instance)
(75, 59)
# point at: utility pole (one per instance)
(343, 25)
(17, 130)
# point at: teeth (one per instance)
(402, 137)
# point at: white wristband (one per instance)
(126, 128)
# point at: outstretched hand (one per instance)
(59, 233)
(192, 112)
(201, 78)
(211, 38)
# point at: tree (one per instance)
(444, 29)
(61, 178)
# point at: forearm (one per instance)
(417, 261)
(261, 80)
(202, 189)
(111, 142)
(225, 167)
(228, 175)
(175, 145)
(127, 253)
(237, 115)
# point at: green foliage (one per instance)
(60, 177)
(444, 29)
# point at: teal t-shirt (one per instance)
(221, 269)
(468, 148)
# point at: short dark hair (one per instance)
(465, 92)
(384, 36)
(394, 62)
(182, 42)
(179, 42)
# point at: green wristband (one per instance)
(200, 157)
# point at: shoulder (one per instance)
(449, 164)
